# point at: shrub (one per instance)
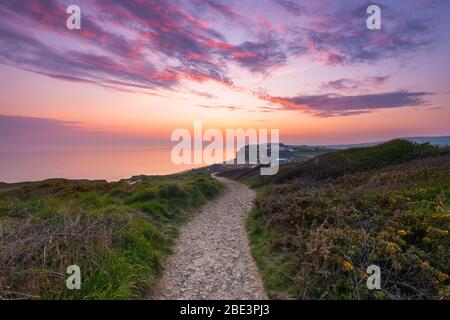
(320, 234)
(142, 196)
(171, 191)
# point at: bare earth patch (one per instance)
(212, 258)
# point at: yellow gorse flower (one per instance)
(402, 232)
(442, 276)
(347, 266)
(392, 247)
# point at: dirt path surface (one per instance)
(212, 258)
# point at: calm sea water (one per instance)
(108, 164)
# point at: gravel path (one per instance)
(212, 258)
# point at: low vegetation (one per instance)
(318, 225)
(118, 233)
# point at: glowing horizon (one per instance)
(137, 70)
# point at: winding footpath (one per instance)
(212, 258)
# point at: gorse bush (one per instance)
(171, 191)
(313, 235)
(142, 196)
(119, 234)
(204, 187)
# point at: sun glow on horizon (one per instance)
(274, 69)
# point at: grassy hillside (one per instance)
(118, 233)
(318, 225)
(337, 163)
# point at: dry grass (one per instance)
(119, 234)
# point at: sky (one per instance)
(139, 69)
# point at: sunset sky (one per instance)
(138, 69)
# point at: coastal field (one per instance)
(317, 225)
(314, 229)
(117, 233)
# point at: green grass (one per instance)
(269, 260)
(338, 163)
(317, 226)
(119, 234)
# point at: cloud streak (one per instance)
(230, 108)
(155, 45)
(346, 85)
(332, 105)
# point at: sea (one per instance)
(111, 164)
